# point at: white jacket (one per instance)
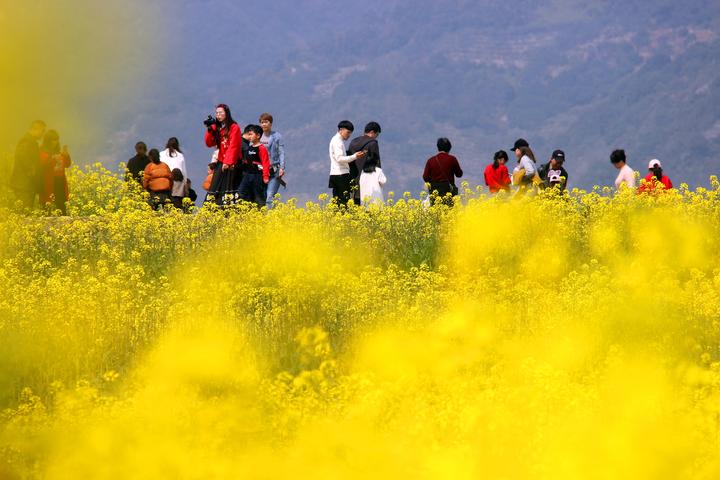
(371, 184)
(178, 161)
(339, 159)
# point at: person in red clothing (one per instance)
(655, 180)
(224, 134)
(496, 174)
(440, 172)
(256, 168)
(53, 162)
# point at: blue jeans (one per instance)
(272, 188)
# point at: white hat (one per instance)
(554, 178)
(654, 162)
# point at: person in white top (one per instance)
(372, 180)
(524, 171)
(173, 157)
(626, 174)
(340, 163)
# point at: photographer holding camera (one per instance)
(224, 133)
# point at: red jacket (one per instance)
(230, 144)
(48, 171)
(443, 167)
(265, 162)
(260, 159)
(497, 178)
(651, 183)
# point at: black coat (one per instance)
(25, 175)
(359, 144)
(136, 165)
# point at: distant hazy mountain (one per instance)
(586, 77)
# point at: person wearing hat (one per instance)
(554, 167)
(526, 169)
(655, 180)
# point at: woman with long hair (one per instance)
(526, 169)
(224, 133)
(496, 174)
(655, 180)
(173, 157)
(157, 179)
(53, 163)
(372, 180)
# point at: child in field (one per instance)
(256, 168)
(179, 188)
(372, 180)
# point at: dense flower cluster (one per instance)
(571, 335)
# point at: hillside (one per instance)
(586, 79)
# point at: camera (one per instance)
(210, 121)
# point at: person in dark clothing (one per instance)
(554, 168)
(136, 165)
(440, 172)
(24, 179)
(255, 168)
(368, 144)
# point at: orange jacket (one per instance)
(49, 170)
(157, 177)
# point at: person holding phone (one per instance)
(368, 145)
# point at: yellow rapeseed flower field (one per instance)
(553, 337)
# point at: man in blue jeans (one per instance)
(276, 148)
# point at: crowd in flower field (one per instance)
(249, 165)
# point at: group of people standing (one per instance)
(247, 165)
(39, 168)
(162, 173)
(441, 170)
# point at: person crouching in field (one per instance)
(496, 174)
(372, 180)
(440, 172)
(655, 180)
(158, 180)
(256, 168)
(53, 163)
